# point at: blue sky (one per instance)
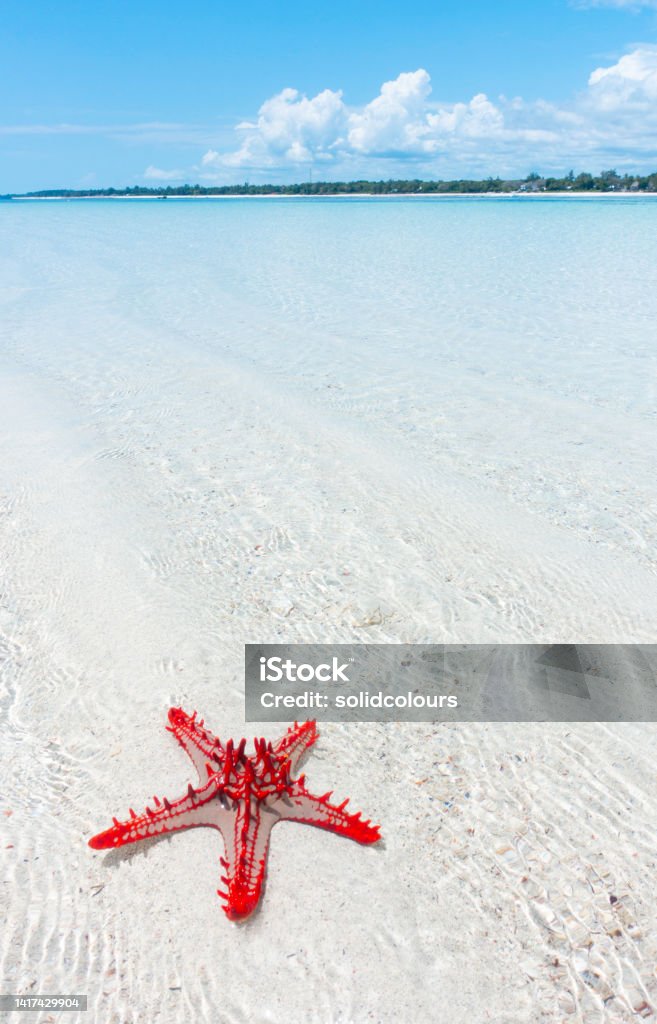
(121, 94)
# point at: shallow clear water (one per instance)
(262, 420)
(511, 341)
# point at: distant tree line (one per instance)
(606, 181)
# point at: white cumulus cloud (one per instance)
(477, 119)
(401, 121)
(631, 82)
(613, 118)
(396, 121)
(290, 128)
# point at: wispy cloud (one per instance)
(149, 131)
(158, 174)
(48, 129)
(629, 5)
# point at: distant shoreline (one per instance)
(606, 183)
(541, 196)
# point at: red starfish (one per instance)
(243, 797)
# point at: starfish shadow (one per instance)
(126, 853)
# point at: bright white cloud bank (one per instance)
(614, 118)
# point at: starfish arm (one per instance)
(201, 746)
(316, 810)
(247, 845)
(207, 806)
(295, 742)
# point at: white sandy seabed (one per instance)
(168, 493)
